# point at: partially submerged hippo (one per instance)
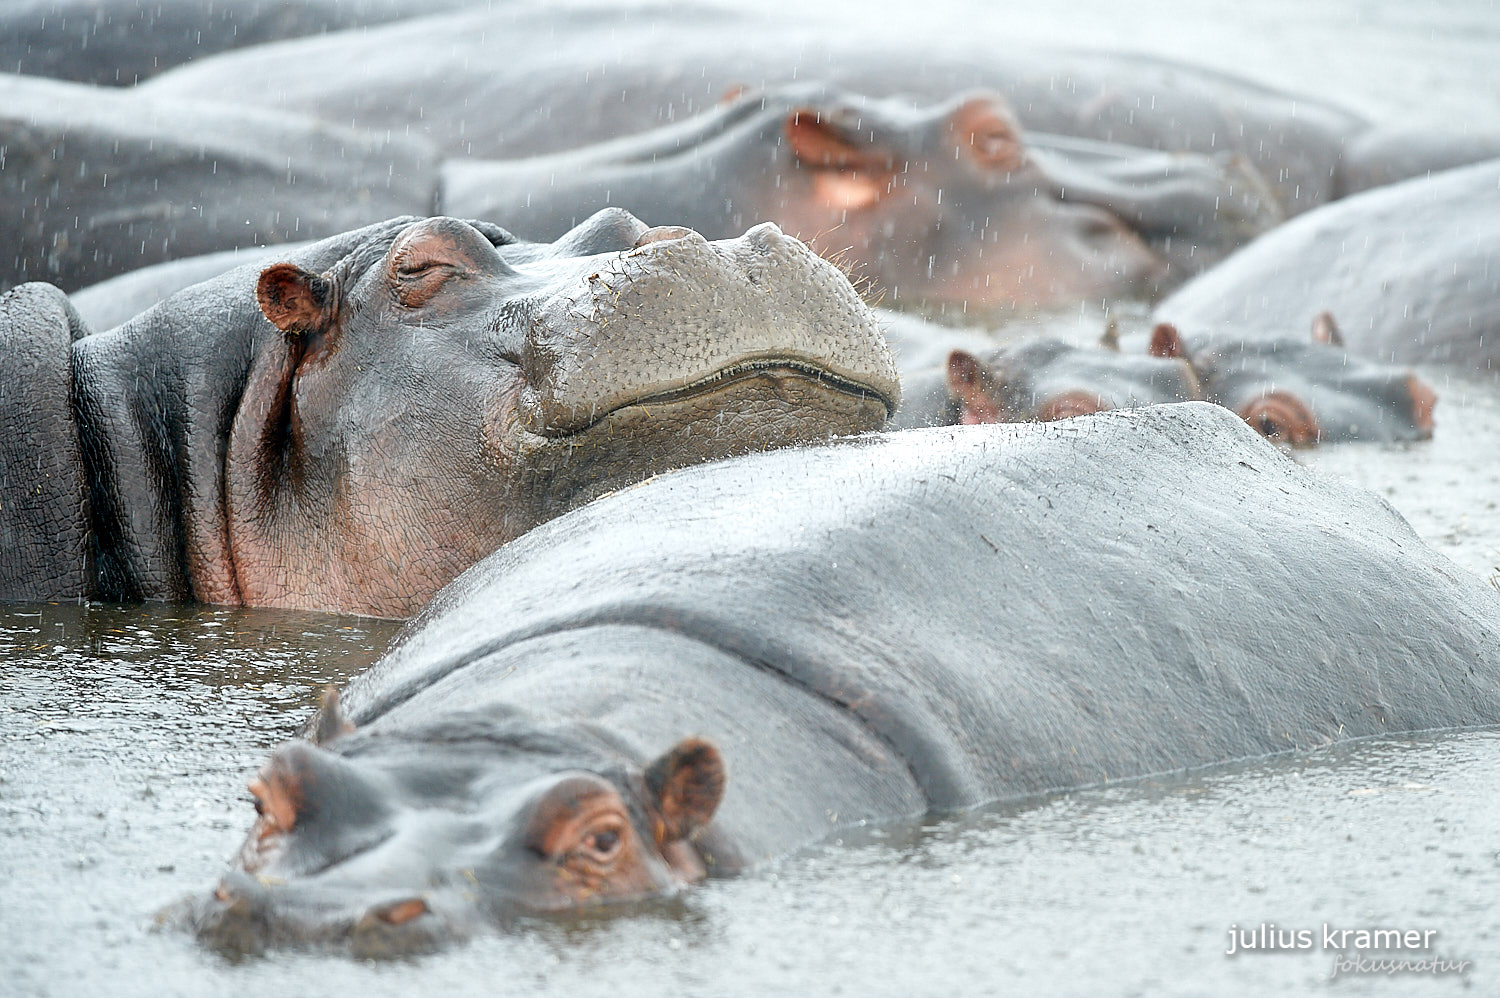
(1411, 271)
(944, 207)
(1297, 390)
(1041, 378)
(421, 391)
(527, 80)
(657, 687)
(94, 182)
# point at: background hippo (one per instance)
(942, 207)
(1041, 379)
(518, 81)
(427, 389)
(916, 622)
(1410, 271)
(94, 183)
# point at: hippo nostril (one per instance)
(766, 234)
(662, 233)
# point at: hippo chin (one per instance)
(656, 687)
(409, 396)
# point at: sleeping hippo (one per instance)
(944, 207)
(1041, 378)
(1411, 271)
(1298, 390)
(353, 426)
(524, 80)
(659, 687)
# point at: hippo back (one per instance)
(1411, 272)
(1009, 608)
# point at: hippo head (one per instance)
(391, 843)
(1305, 391)
(946, 207)
(1047, 379)
(434, 388)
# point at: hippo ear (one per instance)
(1325, 330)
(1111, 338)
(1166, 341)
(970, 383)
(330, 721)
(685, 785)
(298, 302)
(848, 175)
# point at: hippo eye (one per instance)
(605, 842)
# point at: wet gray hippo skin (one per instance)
(528, 742)
(421, 391)
(120, 42)
(939, 206)
(43, 514)
(1040, 378)
(99, 182)
(1298, 390)
(522, 81)
(1410, 271)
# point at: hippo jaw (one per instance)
(358, 852)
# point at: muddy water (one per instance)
(126, 734)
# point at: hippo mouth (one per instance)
(775, 371)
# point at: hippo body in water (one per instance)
(1410, 271)
(349, 429)
(659, 686)
(521, 81)
(944, 208)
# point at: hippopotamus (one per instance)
(521, 81)
(1411, 271)
(1042, 378)
(98, 182)
(944, 207)
(1302, 392)
(349, 428)
(659, 687)
(121, 42)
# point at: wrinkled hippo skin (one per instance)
(656, 687)
(1042, 379)
(99, 182)
(43, 513)
(1410, 271)
(121, 42)
(936, 205)
(360, 423)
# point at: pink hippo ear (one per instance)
(686, 785)
(1325, 330)
(1166, 341)
(848, 175)
(298, 302)
(330, 722)
(984, 128)
(969, 383)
